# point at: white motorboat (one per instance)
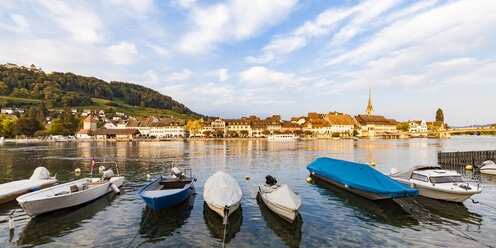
(222, 193)
(488, 167)
(39, 180)
(434, 182)
(69, 194)
(280, 199)
(282, 137)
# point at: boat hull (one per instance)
(445, 195)
(366, 194)
(157, 203)
(55, 202)
(220, 211)
(12, 197)
(488, 172)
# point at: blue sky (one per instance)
(236, 58)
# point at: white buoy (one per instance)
(77, 171)
(11, 223)
(148, 176)
(115, 188)
(101, 169)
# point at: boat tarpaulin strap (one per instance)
(360, 176)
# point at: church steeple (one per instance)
(370, 109)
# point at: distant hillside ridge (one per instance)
(59, 89)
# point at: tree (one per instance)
(232, 133)
(243, 133)
(56, 127)
(297, 132)
(194, 127)
(27, 126)
(335, 135)
(403, 126)
(440, 115)
(277, 132)
(265, 132)
(355, 133)
(307, 133)
(219, 133)
(7, 127)
(207, 133)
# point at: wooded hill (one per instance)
(19, 86)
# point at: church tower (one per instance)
(370, 109)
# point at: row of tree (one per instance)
(67, 89)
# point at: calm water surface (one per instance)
(330, 218)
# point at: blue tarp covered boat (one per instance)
(164, 192)
(358, 178)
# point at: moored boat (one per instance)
(69, 194)
(280, 198)
(433, 182)
(357, 178)
(283, 137)
(222, 193)
(488, 167)
(39, 180)
(164, 192)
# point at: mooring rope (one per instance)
(136, 234)
(434, 217)
(478, 202)
(226, 221)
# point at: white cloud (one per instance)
(223, 76)
(82, 24)
(123, 53)
(259, 75)
(180, 76)
(20, 21)
(233, 21)
(141, 6)
(152, 75)
(159, 49)
(186, 3)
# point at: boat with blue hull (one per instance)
(165, 192)
(358, 178)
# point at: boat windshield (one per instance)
(447, 179)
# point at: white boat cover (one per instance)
(488, 165)
(284, 196)
(222, 190)
(40, 178)
(408, 173)
(40, 173)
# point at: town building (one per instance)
(117, 134)
(239, 127)
(417, 126)
(340, 123)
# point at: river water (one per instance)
(330, 218)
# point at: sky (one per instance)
(237, 58)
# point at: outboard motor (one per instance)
(107, 174)
(270, 180)
(176, 172)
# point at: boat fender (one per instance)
(372, 164)
(309, 179)
(77, 171)
(469, 167)
(35, 189)
(115, 188)
(11, 223)
(101, 169)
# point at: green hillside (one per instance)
(21, 87)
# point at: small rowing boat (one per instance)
(222, 193)
(280, 198)
(164, 192)
(69, 194)
(39, 180)
(357, 178)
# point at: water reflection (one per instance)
(164, 222)
(215, 226)
(290, 233)
(432, 210)
(45, 228)
(385, 211)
